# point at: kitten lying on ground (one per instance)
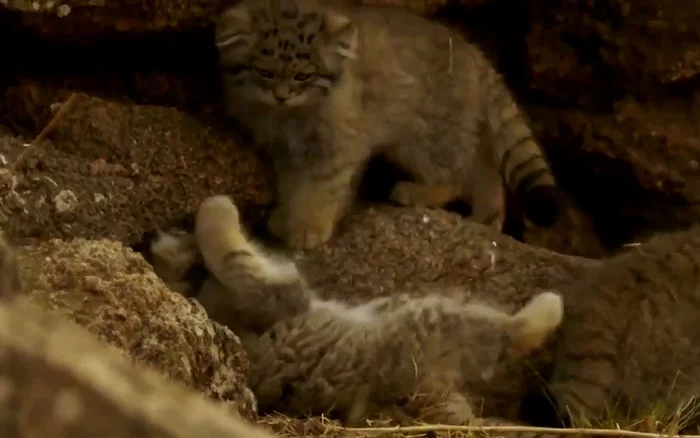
(401, 356)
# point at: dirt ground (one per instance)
(115, 171)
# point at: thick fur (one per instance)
(327, 362)
(249, 290)
(629, 345)
(324, 88)
(397, 356)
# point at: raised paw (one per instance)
(300, 232)
(219, 206)
(409, 193)
(218, 231)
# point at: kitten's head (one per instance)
(283, 53)
(177, 261)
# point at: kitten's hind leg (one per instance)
(258, 289)
(409, 193)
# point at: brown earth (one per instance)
(58, 381)
(114, 171)
(114, 294)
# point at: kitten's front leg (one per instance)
(312, 200)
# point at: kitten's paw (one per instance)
(217, 224)
(404, 193)
(409, 193)
(299, 233)
(492, 218)
(495, 222)
(220, 206)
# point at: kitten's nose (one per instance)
(281, 92)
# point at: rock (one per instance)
(613, 45)
(624, 138)
(125, 168)
(113, 293)
(59, 381)
(61, 18)
(636, 170)
(382, 250)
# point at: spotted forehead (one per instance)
(288, 31)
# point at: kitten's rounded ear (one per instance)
(340, 39)
(234, 32)
(529, 328)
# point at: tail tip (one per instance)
(543, 204)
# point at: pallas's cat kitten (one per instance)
(323, 88)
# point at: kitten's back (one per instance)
(631, 336)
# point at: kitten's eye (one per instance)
(302, 77)
(267, 74)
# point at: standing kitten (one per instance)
(324, 88)
(317, 357)
(630, 345)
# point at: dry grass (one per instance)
(63, 110)
(666, 419)
(323, 427)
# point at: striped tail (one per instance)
(517, 154)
